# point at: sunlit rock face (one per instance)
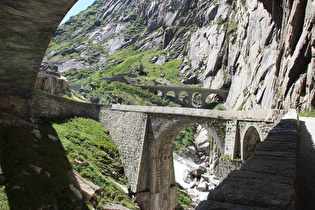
(261, 51)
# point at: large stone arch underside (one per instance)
(250, 140)
(145, 145)
(157, 180)
(25, 33)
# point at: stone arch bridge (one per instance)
(26, 30)
(204, 92)
(144, 137)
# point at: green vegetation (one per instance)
(225, 76)
(4, 204)
(232, 29)
(225, 157)
(245, 90)
(307, 113)
(183, 199)
(129, 61)
(86, 141)
(79, 75)
(81, 141)
(277, 96)
(185, 138)
(130, 58)
(68, 97)
(219, 107)
(26, 188)
(117, 92)
(241, 107)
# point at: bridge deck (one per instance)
(252, 115)
(267, 179)
(174, 88)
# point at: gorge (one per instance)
(262, 52)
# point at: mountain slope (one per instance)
(262, 51)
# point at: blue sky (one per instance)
(78, 7)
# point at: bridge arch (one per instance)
(184, 98)
(28, 27)
(160, 93)
(157, 180)
(250, 139)
(197, 100)
(170, 93)
(212, 98)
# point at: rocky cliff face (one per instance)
(262, 51)
(51, 83)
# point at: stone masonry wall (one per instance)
(128, 132)
(48, 105)
(231, 132)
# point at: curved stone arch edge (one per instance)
(243, 135)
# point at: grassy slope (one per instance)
(80, 139)
(123, 61)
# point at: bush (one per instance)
(185, 138)
(307, 113)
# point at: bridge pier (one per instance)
(156, 186)
(203, 102)
(190, 96)
(177, 97)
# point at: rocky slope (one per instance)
(262, 51)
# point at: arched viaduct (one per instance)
(189, 99)
(144, 137)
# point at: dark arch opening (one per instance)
(159, 93)
(184, 98)
(197, 159)
(196, 100)
(170, 95)
(250, 140)
(212, 100)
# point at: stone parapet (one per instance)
(267, 178)
(49, 105)
(251, 115)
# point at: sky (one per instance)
(78, 7)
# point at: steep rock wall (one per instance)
(261, 51)
(266, 60)
(53, 84)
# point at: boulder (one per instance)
(203, 186)
(52, 137)
(86, 188)
(192, 150)
(202, 136)
(188, 177)
(76, 192)
(36, 133)
(204, 147)
(198, 172)
(36, 169)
